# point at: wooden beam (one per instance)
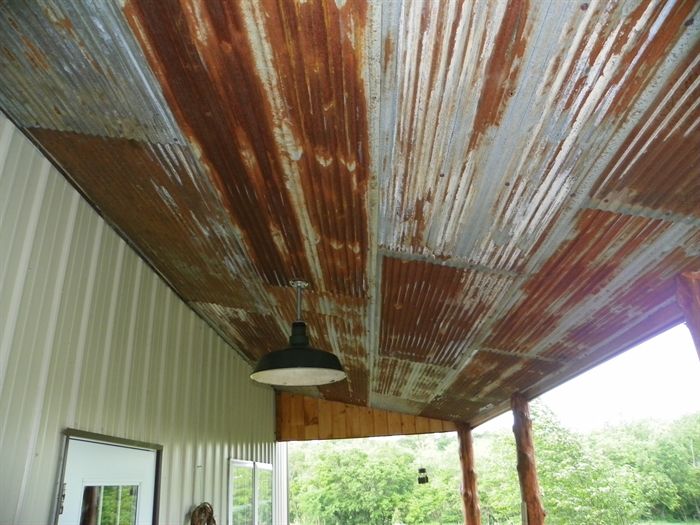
(688, 295)
(470, 496)
(303, 418)
(527, 468)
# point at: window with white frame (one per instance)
(250, 493)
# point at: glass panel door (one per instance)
(107, 484)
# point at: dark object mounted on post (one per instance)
(422, 476)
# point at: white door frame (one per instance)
(71, 433)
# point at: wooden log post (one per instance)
(470, 496)
(688, 295)
(534, 513)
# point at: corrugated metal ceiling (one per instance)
(486, 196)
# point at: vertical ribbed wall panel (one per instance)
(92, 338)
(281, 484)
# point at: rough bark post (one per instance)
(688, 295)
(527, 470)
(470, 496)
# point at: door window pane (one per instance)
(109, 505)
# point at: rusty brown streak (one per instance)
(483, 370)
(579, 269)
(320, 75)
(215, 93)
(424, 315)
(633, 315)
(121, 177)
(645, 66)
(348, 334)
(502, 70)
(666, 176)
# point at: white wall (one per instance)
(91, 338)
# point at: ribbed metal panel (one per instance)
(280, 488)
(92, 338)
(111, 106)
(503, 113)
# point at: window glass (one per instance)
(263, 494)
(109, 505)
(241, 493)
(251, 493)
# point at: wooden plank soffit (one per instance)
(688, 295)
(303, 418)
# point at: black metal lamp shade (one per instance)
(298, 364)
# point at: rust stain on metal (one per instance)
(317, 55)
(403, 379)
(206, 64)
(618, 320)
(214, 91)
(429, 312)
(454, 409)
(643, 65)
(657, 167)
(252, 333)
(483, 370)
(502, 71)
(580, 269)
(34, 54)
(530, 372)
(391, 376)
(170, 222)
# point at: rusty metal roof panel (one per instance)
(405, 379)
(655, 171)
(506, 113)
(486, 196)
(273, 95)
(169, 209)
(75, 66)
(432, 312)
(596, 268)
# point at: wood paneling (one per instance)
(302, 418)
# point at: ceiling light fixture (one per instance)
(298, 364)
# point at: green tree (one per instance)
(612, 477)
(352, 487)
(579, 486)
(665, 456)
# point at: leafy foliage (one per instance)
(620, 475)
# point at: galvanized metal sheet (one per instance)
(486, 196)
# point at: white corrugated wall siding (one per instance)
(91, 338)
